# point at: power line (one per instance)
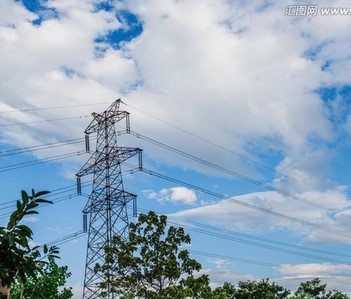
(236, 174)
(55, 200)
(54, 107)
(269, 244)
(36, 162)
(226, 257)
(230, 172)
(81, 233)
(67, 238)
(224, 148)
(260, 239)
(34, 148)
(257, 244)
(227, 171)
(53, 193)
(248, 205)
(168, 148)
(44, 120)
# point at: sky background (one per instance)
(232, 97)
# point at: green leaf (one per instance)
(19, 205)
(25, 229)
(32, 205)
(40, 200)
(24, 196)
(32, 212)
(41, 193)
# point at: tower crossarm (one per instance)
(99, 160)
(108, 118)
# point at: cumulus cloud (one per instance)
(306, 214)
(220, 276)
(334, 275)
(176, 195)
(202, 65)
(314, 270)
(77, 291)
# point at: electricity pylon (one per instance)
(107, 204)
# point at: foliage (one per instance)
(227, 291)
(18, 260)
(261, 289)
(48, 284)
(150, 263)
(314, 289)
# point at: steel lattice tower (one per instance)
(107, 204)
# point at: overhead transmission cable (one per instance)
(169, 124)
(179, 152)
(194, 158)
(82, 233)
(225, 170)
(67, 238)
(258, 244)
(229, 235)
(236, 174)
(255, 238)
(56, 200)
(226, 257)
(53, 193)
(248, 205)
(39, 147)
(53, 107)
(42, 121)
(161, 176)
(45, 160)
(224, 148)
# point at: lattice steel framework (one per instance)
(107, 204)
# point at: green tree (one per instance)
(337, 295)
(48, 284)
(18, 260)
(151, 264)
(314, 289)
(261, 289)
(227, 291)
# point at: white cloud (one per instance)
(214, 49)
(183, 195)
(314, 270)
(31, 219)
(219, 263)
(54, 65)
(271, 211)
(220, 276)
(203, 65)
(77, 291)
(290, 276)
(175, 194)
(334, 275)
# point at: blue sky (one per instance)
(258, 99)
